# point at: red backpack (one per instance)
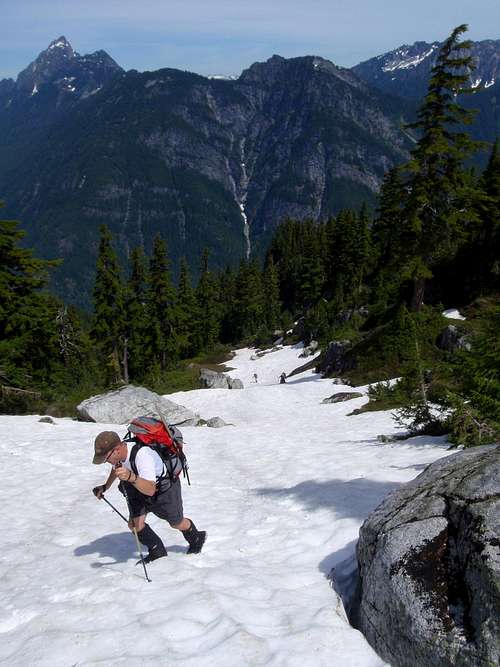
(166, 440)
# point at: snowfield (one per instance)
(282, 492)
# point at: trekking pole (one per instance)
(114, 508)
(134, 530)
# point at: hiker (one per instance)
(151, 489)
(255, 378)
(283, 378)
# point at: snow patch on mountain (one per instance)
(403, 58)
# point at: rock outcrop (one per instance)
(451, 340)
(121, 405)
(212, 380)
(429, 566)
(216, 422)
(342, 396)
(310, 349)
(335, 360)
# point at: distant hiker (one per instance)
(283, 378)
(151, 489)
(255, 378)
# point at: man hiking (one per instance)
(150, 489)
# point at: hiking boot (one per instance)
(197, 542)
(154, 554)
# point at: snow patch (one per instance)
(453, 314)
(403, 61)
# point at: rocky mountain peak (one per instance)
(47, 65)
(65, 69)
(60, 46)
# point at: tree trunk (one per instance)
(417, 300)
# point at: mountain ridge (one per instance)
(203, 161)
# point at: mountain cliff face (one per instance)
(205, 162)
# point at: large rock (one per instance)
(310, 349)
(212, 380)
(336, 359)
(342, 396)
(452, 340)
(429, 566)
(216, 422)
(122, 405)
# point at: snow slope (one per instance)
(282, 493)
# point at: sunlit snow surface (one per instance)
(282, 493)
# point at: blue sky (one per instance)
(225, 36)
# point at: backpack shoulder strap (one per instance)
(133, 454)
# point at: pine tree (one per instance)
(490, 214)
(186, 312)
(29, 342)
(109, 316)
(21, 274)
(228, 307)
(137, 317)
(161, 307)
(349, 257)
(272, 304)
(311, 275)
(440, 206)
(208, 306)
(249, 300)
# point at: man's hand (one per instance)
(99, 491)
(122, 473)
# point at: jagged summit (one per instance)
(62, 67)
(62, 45)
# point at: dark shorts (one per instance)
(167, 504)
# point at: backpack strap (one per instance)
(167, 471)
(132, 457)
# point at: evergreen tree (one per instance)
(161, 307)
(349, 257)
(489, 250)
(108, 324)
(21, 274)
(186, 313)
(249, 300)
(208, 306)
(311, 266)
(272, 304)
(29, 342)
(387, 239)
(137, 324)
(440, 205)
(228, 306)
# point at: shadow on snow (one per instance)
(121, 547)
(354, 498)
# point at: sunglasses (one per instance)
(106, 460)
